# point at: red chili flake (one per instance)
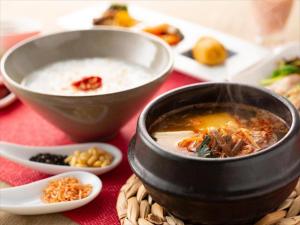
(88, 83)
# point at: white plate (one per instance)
(243, 54)
(264, 69)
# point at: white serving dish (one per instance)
(244, 54)
(264, 69)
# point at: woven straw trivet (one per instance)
(136, 207)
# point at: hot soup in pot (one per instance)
(218, 130)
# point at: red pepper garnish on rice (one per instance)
(88, 83)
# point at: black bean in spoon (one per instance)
(49, 159)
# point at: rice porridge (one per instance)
(87, 76)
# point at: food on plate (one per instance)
(49, 159)
(218, 130)
(116, 15)
(65, 189)
(288, 87)
(87, 76)
(285, 80)
(168, 33)
(93, 157)
(294, 96)
(209, 51)
(284, 69)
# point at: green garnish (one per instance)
(118, 7)
(285, 68)
(203, 150)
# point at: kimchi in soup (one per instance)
(218, 130)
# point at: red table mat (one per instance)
(19, 124)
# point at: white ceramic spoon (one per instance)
(22, 153)
(26, 199)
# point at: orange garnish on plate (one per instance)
(168, 33)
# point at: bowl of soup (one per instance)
(218, 153)
(88, 83)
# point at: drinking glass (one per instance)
(271, 17)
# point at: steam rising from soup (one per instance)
(218, 130)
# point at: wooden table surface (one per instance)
(230, 16)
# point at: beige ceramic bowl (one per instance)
(98, 116)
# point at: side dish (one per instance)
(285, 80)
(49, 159)
(209, 51)
(65, 189)
(168, 33)
(93, 157)
(87, 76)
(218, 130)
(116, 15)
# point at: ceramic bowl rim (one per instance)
(168, 68)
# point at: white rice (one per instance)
(57, 78)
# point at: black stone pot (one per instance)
(218, 191)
